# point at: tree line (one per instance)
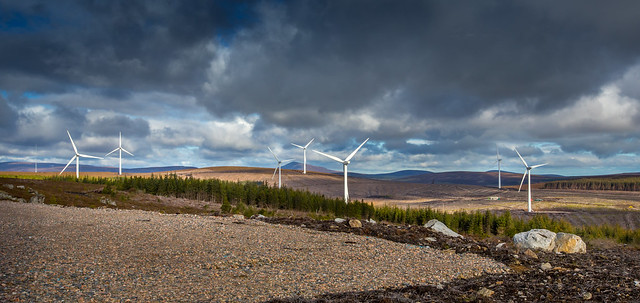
(623, 184)
(245, 197)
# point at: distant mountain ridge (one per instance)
(57, 167)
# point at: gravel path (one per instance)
(51, 253)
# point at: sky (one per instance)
(435, 85)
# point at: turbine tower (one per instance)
(76, 157)
(344, 162)
(278, 168)
(304, 153)
(527, 172)
(121, 150)
(498, 159)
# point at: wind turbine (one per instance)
(498, 159)
(304, 153)
(527, 171)
(344, 162)
(278, 168)
(121, 150)
(76, 157)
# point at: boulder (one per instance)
(541, 239)
(355, 223)
(569, 243)
(339, 220)
(439, 227)
(238, 217)
(545, 266)
(372, 221)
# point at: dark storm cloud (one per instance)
(129, 44)
(8, 117)
(111, 125)
(447, 59)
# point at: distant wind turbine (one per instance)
(344, 162)
(76, 157)
(304, 153)
(119, 148)
(527, 171)
(36, 158)
(498, 160)
(278, 168)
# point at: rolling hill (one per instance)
(56, 167)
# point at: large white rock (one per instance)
(438, 226)
(541, 239)
(570, 244)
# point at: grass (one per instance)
(88, 192)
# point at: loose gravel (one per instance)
(51, 253)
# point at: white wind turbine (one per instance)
(76, 157)
(528, 171)
(498, 159)
(278, 168)
(119, 148)
(304, 153)
(344, 162)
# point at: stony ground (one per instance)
(52, 253)
(601, 275)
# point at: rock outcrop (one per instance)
(439, 227)
(540, 239)
(546, 240)
(569, 243)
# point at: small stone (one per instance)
(372, 221)
(637, 283)
(529, 253)
(545, 266)
(355, 223)
(499, 282)
(333, 227)
(501, 245)
(20, 186)
(587, 296)
(431, 239)
(303, 225)
(485, 292)
(9, 186)
(238, 217)
(339, 220)
(440, 286)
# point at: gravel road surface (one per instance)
(51, 253)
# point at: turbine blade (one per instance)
(329, 156)
(274, 155)
(124, 150)
(73, 144)
(112, 151)
(532, 167)
(497, 153)
(355, 151)
(298, 146)
(274, 173)
(523, 161)
(309, 143)
(521, 182)
(87, 156)
(72, 158)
